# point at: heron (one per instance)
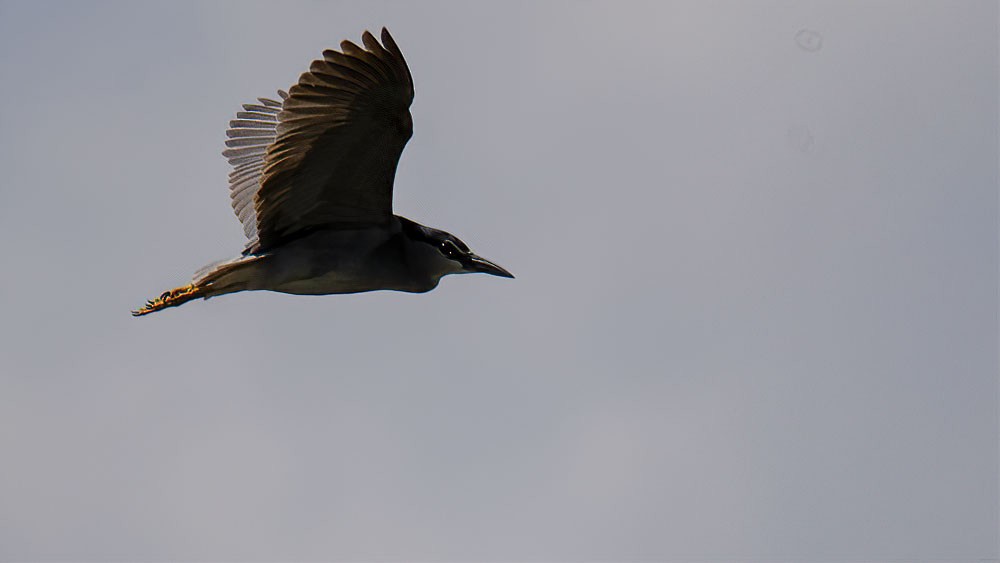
(312, 182)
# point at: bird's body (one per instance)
(343, 261)
(312, 184)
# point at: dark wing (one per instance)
(253, 130)
(338, 139)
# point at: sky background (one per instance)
(755, 313)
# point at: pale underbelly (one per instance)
(332, 282)
(339, 282)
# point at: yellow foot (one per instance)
(170, 298)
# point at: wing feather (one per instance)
(249, 135)
(337, 141)
(325, 155)
(256, 115)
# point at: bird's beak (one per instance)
(479, 264)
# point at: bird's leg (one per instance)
(171, 298)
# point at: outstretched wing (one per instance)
(336, 144)
(253, 130)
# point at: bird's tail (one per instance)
(172, 298)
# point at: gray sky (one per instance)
(755, 313)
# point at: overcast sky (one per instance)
(755, 313)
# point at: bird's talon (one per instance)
(168, 299)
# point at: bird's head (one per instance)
(445, 254)
(466, 261)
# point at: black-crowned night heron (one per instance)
(312, 185)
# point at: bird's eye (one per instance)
(449, 249)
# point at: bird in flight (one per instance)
(312, 185)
